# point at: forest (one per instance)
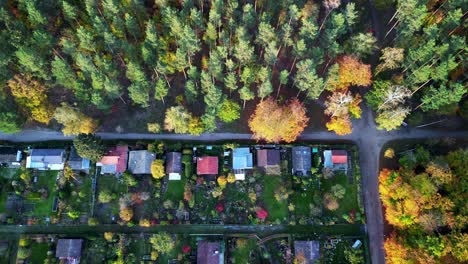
(197, 66)
(425, 203)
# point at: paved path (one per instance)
(260, 230)
(365, 135)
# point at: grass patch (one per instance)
(39, 252)
(349, 202)
(276, 210)
(46, 179)
(175, 190)
(241, 253)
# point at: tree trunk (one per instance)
(293, 63)
(422, 85)
(323, 22)
(243, 107)
(390, 30)
(278, 92)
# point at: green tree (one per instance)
(162, 242)
(89, 146)
(229, 111)
(246, 94)
(362, 45)
(9, 122)
(161, 89)
(306, 79)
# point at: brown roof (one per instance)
(268, 157)
(210, 253)
(174, 162)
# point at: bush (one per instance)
(23, 253)
(154, 127)
(330, 202)
(162, 242)
(93, 221)
(389, 153)
(105, 196)
(338, 191)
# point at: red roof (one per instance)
(339, 156)
(117, 156)
(207, 166)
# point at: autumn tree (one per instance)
(157, 169)
(73, 121)
(339, 106)
(162, 242)
(274, 123)
(177, 119)
(352, 72)
(31, 96)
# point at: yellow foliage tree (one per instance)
(157, 169)
(108, 236)
(31, 96)
(222, 181)
(341, 126)
(74, 122)
(126, 213)
(144, 223)
(231, 178)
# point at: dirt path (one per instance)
(365, 135)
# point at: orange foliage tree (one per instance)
(395, 252)
(273, 122)
(352, 72)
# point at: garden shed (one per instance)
(301, 160)
(139, 161)
(69, 250)
(46, 159)
(174, 165)
(75, 162)
(308, 251)
(241, 160)
(210, 252)
(269, 160)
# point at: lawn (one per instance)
(276, 210)
(175, 190)
(6, 176)
(43, 207)
(180, 241)
(241, 253)
(38, 252)
(112, 184)
(349, 202)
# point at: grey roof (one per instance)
(50, 156)
(8, 155)
(174, 162)
(139, 161)
(210, 252)
(242, 158)
(75, 162)
(69, 248)
(301, 160)
(309, 249)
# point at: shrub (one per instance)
(389, 153)
(338, 191)
(105, 196)
(330, 202)
(154, 127)
(162, 242)
(157, 169)
(144, 223)
(231, 178)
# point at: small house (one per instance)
(242, 160)
(174, 166)
(77, 163)
(46, 159)
(207, 165)
(115, 161)
(336, 159)
(301, 161)
(139, 161)
(307, 252)
(269, 161)
(210, 252)
(10, 158)
(69, 250)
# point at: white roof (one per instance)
(174, 176)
